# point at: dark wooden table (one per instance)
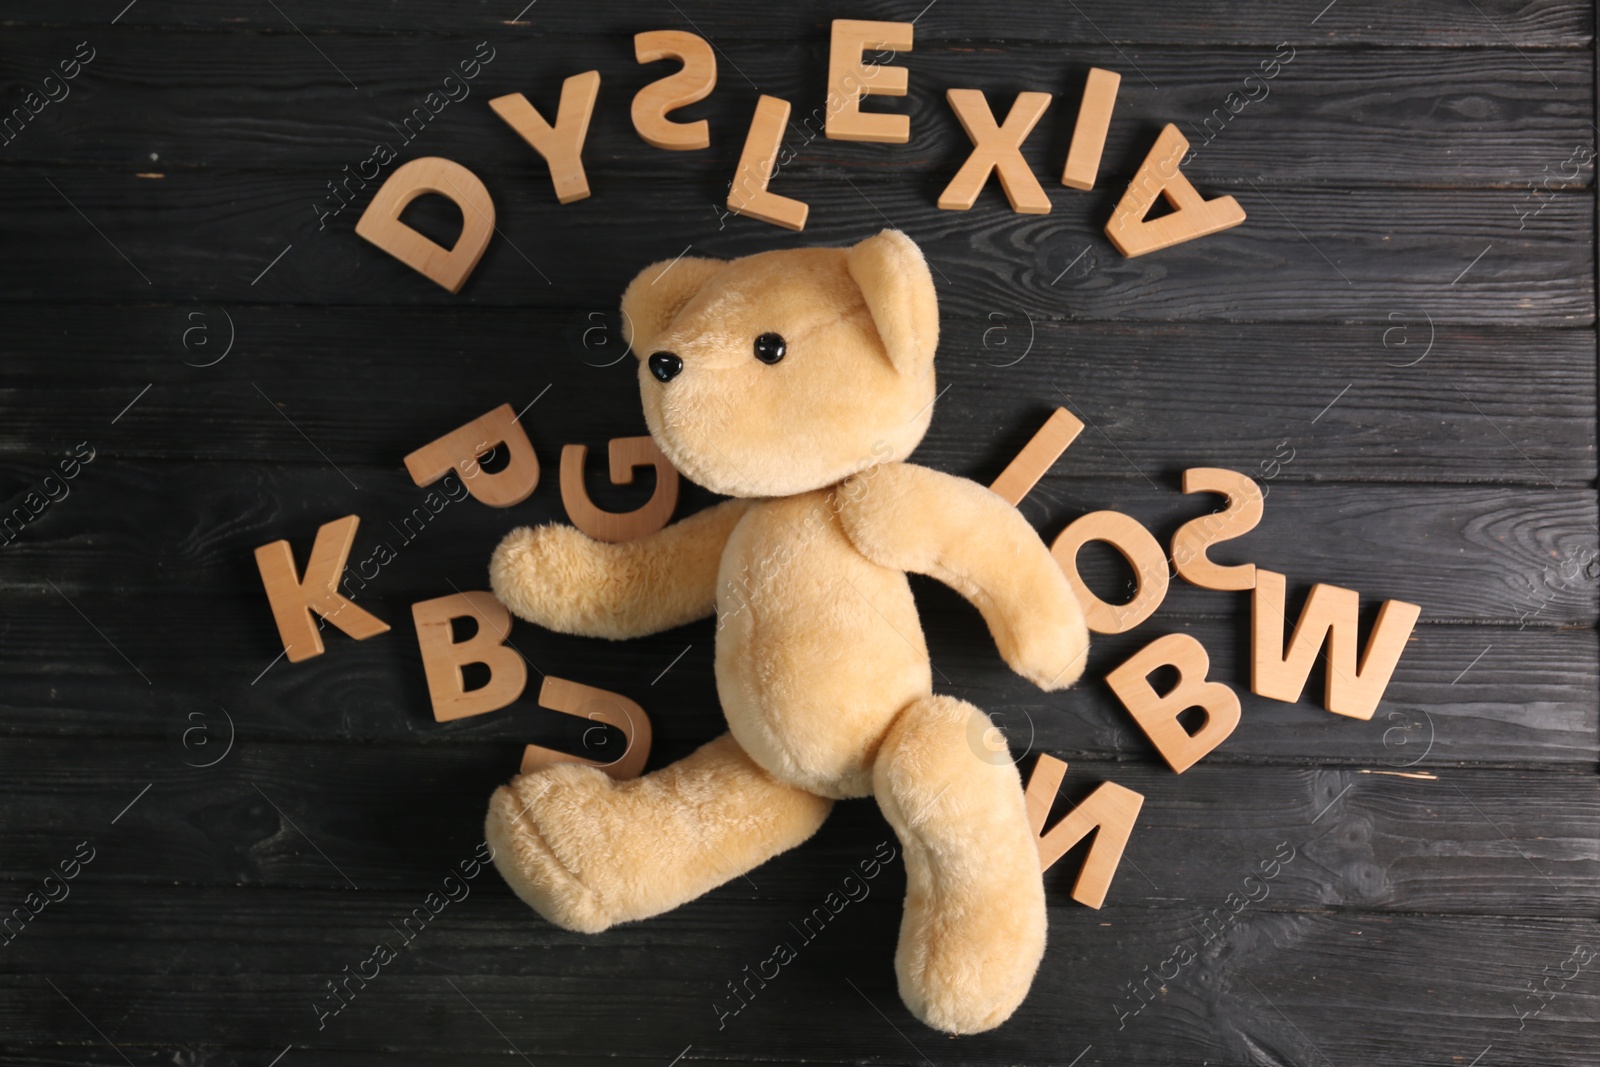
(1400, 342)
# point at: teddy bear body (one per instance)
(781, 637)
(797, 382)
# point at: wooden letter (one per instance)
(1189, 544)
(1191, 215)
(749, 195)
(1157, 713)
(626, 454)
(1137, 546)
(596, 705)
(848, 78)
(1089, 135)
(1329, 616)
(442, 658)
(561, 145)
(694, 82)
(1037, 456)
(996, 148)
(1111, 809)
(293, 599)
(464, 447)
(381, 224)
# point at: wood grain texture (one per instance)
(388, 816)
(1480, 695)
(1540, 23)
(549, 992)
(1162, 397)
(1425, 117)
(1386, 250)
(1484, 554)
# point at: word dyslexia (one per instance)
(996, 151)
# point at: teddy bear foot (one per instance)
(588, 852)
(974, 926)
(523, 817)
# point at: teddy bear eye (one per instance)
(770, 348)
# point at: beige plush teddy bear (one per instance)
(797, 382)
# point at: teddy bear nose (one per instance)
(665, 366)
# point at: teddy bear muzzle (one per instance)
(665, 366)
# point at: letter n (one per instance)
(1109, 812)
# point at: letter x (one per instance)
(996, 148)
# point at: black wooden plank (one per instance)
(1480, 695)
(1485, 554)
(1539, 23)
(237, 1054)
(373, 816)
(485, 978)
(1465, 256)
(1493, 117)
(1244, 396)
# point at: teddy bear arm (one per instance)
(565, 581)
(926, 522)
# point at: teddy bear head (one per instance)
(786, 371)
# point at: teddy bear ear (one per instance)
(894, 278)
(656, 295)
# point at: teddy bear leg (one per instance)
(974, 927)
(587, 851)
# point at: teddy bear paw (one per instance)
(1051, 658)
(544, 574)
(536, 827)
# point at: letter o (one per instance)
(1143, 553)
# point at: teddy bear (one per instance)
(796, 382)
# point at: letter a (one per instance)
(1192, 216)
